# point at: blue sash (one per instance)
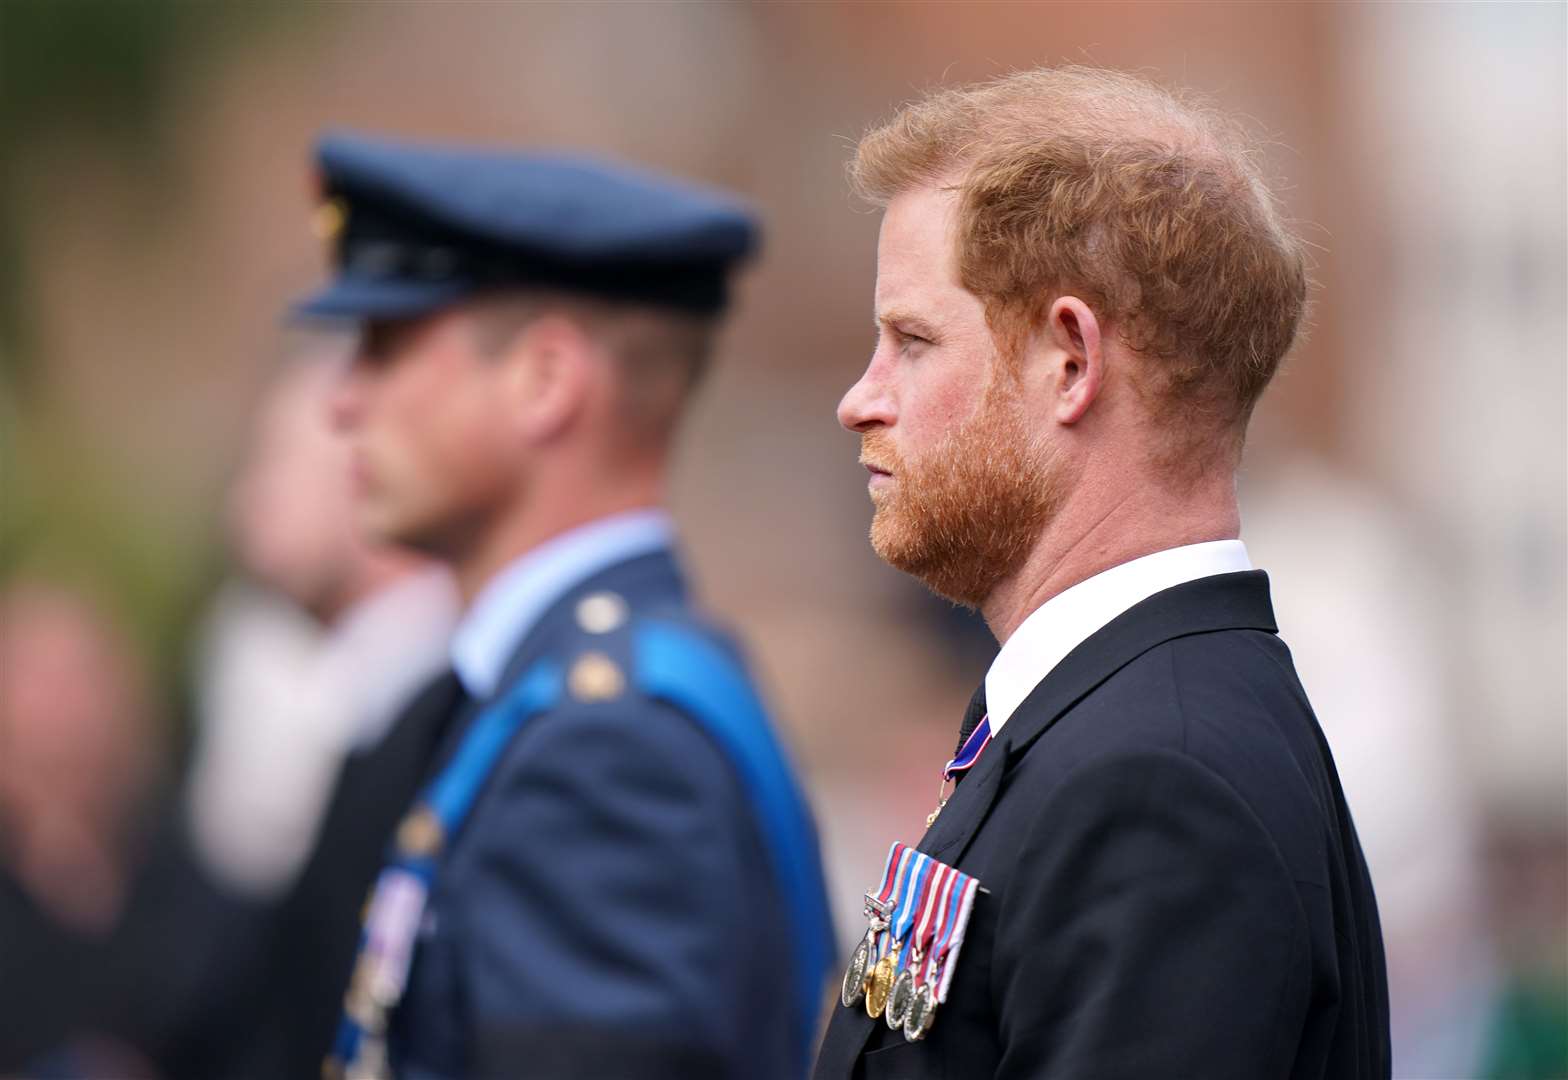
(670, 663)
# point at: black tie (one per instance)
(972, 717)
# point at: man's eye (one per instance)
(377, 343)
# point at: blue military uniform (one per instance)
(610, 871)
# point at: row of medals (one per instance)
(894, 998)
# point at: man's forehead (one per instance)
(917, 266)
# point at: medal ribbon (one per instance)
(970, 752)
(899, 858)
(895, 860)
(935, 933)
(960, 904)
(918, 876)
(921, 942)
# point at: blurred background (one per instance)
(183, 606)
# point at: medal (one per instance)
(879, 983)
(854, 987)
(878, 910)
(903, 991)
(898, 999)
(902, 969)
(953, 904)
(922, 1013)
(913, 881)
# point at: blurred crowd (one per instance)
(166, 924)
(167, 825)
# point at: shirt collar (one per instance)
(1069, 618)
(514, 601)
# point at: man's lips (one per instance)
(879, 476)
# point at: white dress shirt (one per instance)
(1069, 618)
(509, 605)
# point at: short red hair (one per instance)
(1147, 205)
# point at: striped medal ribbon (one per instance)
(963, 761)
(912, 872)
(913, 957)
(878, 910)
(954, 907)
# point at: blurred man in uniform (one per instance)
(1083, 286)
(609, 870)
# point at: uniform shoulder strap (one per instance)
(694, 673)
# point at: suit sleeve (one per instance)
(607, 905)
(1153, 930)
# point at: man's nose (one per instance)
(346, 403)
(866, 405)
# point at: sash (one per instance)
(671, 663)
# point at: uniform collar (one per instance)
(514, 600)
(1070, 617)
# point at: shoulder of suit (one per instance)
(1228, 701)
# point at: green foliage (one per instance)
(62, 521)
(98, 71)
(1530, 1034)
(95, 69)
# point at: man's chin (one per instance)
(381, 526)
(963, 577)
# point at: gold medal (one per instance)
(880, 983)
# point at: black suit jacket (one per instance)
(1175, 888)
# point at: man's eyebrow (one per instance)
(906, 321)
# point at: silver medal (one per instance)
(854, 988)
(922, 1012)
(900, 998)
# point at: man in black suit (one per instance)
(1083, 286)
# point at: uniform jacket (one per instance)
(1175, 887)
(608, 909)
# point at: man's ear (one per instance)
(1079, 362)
(546, 375)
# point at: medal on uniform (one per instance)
(878, 910)
(921, 1014)
(910, 961)
(912, 873)
(953, 907)
(967, 755)
(911, 894)
(916, 921)
(879, 983)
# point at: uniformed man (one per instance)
(1083, 286)
(609, 870)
